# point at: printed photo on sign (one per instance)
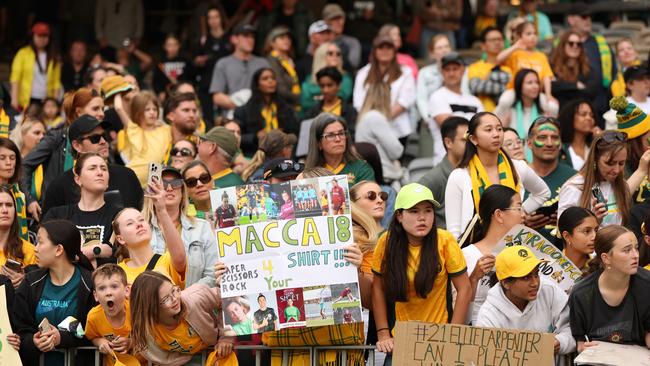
(271, 203)
(347, 315)
(250, 204)
(284, 200)
(346, 294)
(265, 315)
(305, 197)
(223, 203)
(238, 315)
(338, 195)
(318, 305)
(291, 306)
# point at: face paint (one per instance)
(547, 127)
(538, 143)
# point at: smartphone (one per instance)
(598, 194)
(155, 174)
(14, 265)
(547, 210)
(45, 325)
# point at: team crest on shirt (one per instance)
(615, 337)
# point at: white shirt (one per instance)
(39, 82)
(402, 92)
(459, 203)
(576, 160)
(644, 106)
(472, 255)
(371, 128)
(572, 190)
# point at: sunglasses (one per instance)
(574, 44)
(183, 151)
(613, 136)
(372, 195)
(95, 139)
(174, 183)
(204, 178)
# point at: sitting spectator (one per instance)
(438, 17)
(513, 144)
(94, 77)
(10, 173)
(63, 278)
(488, 16)
(350, 47)
(626, 56)
(27, 135)
(383, 68)
(319, 33)
(524, 300)
(217, 148)
(291, 14)
(578, 227)
(487, 79)
(372, 127)
(92, 215)
(573, 78)
(275, 144)
(449, 100)
(403, 59)
(265, 111)
(51, 115)
(327, 55)
(334, 150)
(330, 82)
(183, 152)
(172, 68)
(196, 234)
(545, 145)
(279, 51)
(181, 112)
(281, 170)
(233, 74)
(240, 162)
(368, 197)
(198, 182)
(518, 108)
(12, 246)
(578, 128)
(637, 85)
(75, 67)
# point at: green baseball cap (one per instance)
(412, 194)
(223, 137)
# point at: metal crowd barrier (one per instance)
(70, 353)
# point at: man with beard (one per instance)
(182, 113)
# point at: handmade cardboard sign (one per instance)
(8, 355)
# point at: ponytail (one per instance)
(66, 234)
(604, 243)
(256, 162)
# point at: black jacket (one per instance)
(24, 310)
(347, 112)
(250, 117)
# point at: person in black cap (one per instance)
(232, 75)
(637, 85)
(88, 135)
(602, 62)
(281, 170)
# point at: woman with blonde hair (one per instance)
(28, 134)
(327, 54)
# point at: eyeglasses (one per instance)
(174, 183)
(612, 136)
(372, 195)
(95, 139)
(333, 53)
(204, 178)
(332, 136)
(513, 143)
(574, 44)
(183, 151)
(176, 292)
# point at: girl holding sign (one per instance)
(611, 303)
(578, 227)
(413, 263)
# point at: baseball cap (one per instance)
(112, 85)
(381, 40)
(243, 28)
(172, 170)
(282, 168)
(318, 26)
(452, 58)
(83, 125)
(331, 11)
(223, 137)
(41, 29)
(579, 8)
(277, 32)
(412, 194)
(634, 73)
(515, 261)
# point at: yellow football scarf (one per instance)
(605, 59)
(481, 180)
(291, 70)
(270, 115)
(4, 124)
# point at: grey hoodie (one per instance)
(548, 313)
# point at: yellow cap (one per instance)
(515, 261)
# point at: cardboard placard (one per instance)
(8, 355)
(614, 354)
(418, 343)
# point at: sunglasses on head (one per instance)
(613, 136)
(174, 183)
(96, 138)
(372, 195)
(204, 178)
(183, 151)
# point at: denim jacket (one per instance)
(200, 247)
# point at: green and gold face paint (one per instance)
(539, 140)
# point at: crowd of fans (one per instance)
(546, 130)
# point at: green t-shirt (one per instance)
(356, 171)
(229, 180)
(291, 313)
(245, 327)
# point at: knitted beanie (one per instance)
(631, 119)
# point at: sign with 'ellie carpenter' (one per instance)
(284, 247)
(426, 344)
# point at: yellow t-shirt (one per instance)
(142, 147)
(522, 59)
(28, 255)
(182, 339)
(481, 70)
(432, 309)
(366, 262)
(164, 266)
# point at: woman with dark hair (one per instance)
(577, 129)
(198, 181)
(12, 247)
(513, 144)
(275, 144)
(403, 59)
(331, 148)
(35, 70)
(172, 68)
(485, 163)
(500, 209)
(413, 263)
(610, 302)
(265, 111)
(327, 54)
(10, 174)
(573, 79)
(64, 279)
(518, 108)
(577, 227)
(329, 80)
(644, 242)
(279, 51)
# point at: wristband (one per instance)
(380, 329)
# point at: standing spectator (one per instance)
(319, 33)
(578, 227)
(350, 47)
(578, 127)
(27, 135)
(265, 111)
(73, 71)
(438, 17)
(528, 10)
(545, 144)
(599, 55)
(119, 23)
(35, 70)
(182, 153)
(330, 83)
(403, 59)
(449, 100)
(51, 114)
(573, 78)
(232, 75)
(173, 67)
(12, 246)
(487, 17)
(383, 68)
(279, 52)
(292, 14)
(327, 55)
(487, 79)
(182, 114)
(216, 149)
(198, 182)
(637, 85)
(626, 56)
(210, 48)
(453, 131)
(94, 77)
(10, 174)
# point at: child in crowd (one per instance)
(51, 114)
